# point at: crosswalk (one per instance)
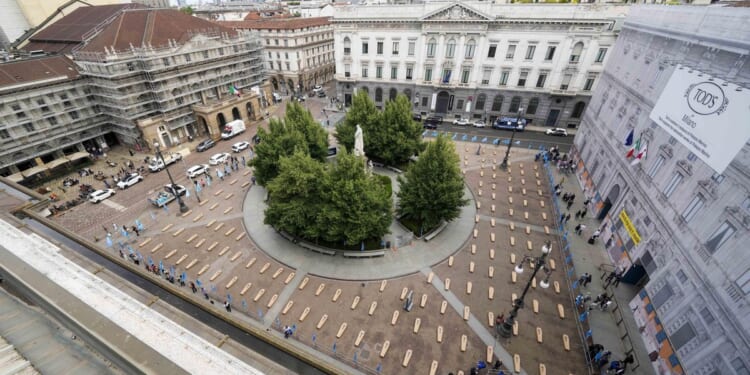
(114, 205)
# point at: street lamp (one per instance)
(539, 263)
(504, 165)
(183, 207)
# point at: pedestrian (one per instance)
(618, 278)
(105, 229)
(584, 279)
(570, 203)
(565, 197)
(588, 279)
(192, 287)
(596, 234)
(558, 192)
(577, 229)
(586, 202)
(578, 214)
(122, 255)
(562, 218)
(252, 179)
(609, 279)
(287, 332)
(137, 232)
(572, 197)
(583, 212)
(227, 306)
(219, 174)
(243, 161)
(567, 217)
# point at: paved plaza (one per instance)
(351, 310)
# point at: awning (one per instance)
(57, 162)
(35, 170)
(78, 155)
(16, 177)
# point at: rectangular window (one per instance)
(447, 75)
(655, 167)
(522, 79)
(364, 72)
(465, 75)
(286, 55)
(486, 76)
(469, 50)
(380, 48)
(720, 236)
(600, 55)
(504, 77)
(165, 61)
(672, 185)
(566, 81)
(511, 52)
(379, 72)
(394, 72)
(412, 48)
(491, 52)
(4, 134)
(73, 115)
(28, 127)
(682, 336)
(589, 84)
(530, 52)
(662, 296)
(691, 156)
(541, 80)
(395, 49)
(718, 178)
(52, 121)
(550, 53)
(347, 70)
(693, 207)
(460, 104)
(682, 276)
(287, 66)
(409, 72)
(428, 74)
(276, 41)
(707, 316)
(431, 48)
(365, 48)
(424, 101)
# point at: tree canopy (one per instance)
(432, 188)
(390, 136)
(298, 131)
(331, 202)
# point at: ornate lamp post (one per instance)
(538, 263)
(183, 207)
(504, 165)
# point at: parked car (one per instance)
(205, 145)
(277, 97)
(557, 131)
(239, 146)
(218, 158)
(416, 117)
(158, 164)
(129, 181)
(479, 124)
(321, 94)
(100, 195)
(317, 88)
(432, 122)
(461, 122)
(175, 189)
(197, 170)
(300, 98)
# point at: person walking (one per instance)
(609, 279)
(227, 306)
(570, 203)
(567, 217)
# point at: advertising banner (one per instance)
(628, 225)
(707, 115)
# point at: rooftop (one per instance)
(44, 70)
(277, 23)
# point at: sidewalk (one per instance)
(615, 329)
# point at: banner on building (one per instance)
(632, 232)
(707, 115)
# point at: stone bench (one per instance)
(435, 232)
(362, 254)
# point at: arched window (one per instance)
(470, 48)
(347, 46)
(378, 94)
(533, 105)
(450, 49)
(479, 106)
(497, 103)
(392, 94)
(576, 54)
(221, 120)
(407, 92)
(515, 103)
(236, 114)
(578, 110)
(431, 47)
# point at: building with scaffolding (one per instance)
(140, 76)
(675, 202)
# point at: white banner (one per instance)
(707, 115)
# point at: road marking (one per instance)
(114, 205)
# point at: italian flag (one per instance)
(234, 91)
(641, 154)
(633, 151)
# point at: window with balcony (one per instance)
(656, 166)
(428, 74)
(693, 207)
(465, 75)
(511, 52)
(364, 72)
(412, 48)
(491, 52)
(431, 47)
(394, 49)
(522, 79)
(394, 72)
(504, 77)
(600, 55)
(365, 48)
(347, 46)
(530, 50)
(720, 236)
(541, 80)
(575, 56)
(471, 46)
(380, 48)
(450, 48)
(379, 72)
(409, 72)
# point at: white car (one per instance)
(100, 195)
(239, 146)
(461, 122)
(479, 124)
(557, 131)
(129, 181)
(197, 170)
(218, 158)
(317, 88)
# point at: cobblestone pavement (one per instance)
(209, 244)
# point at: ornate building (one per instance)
(677, 222)
(476, 59)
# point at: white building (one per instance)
(476, 59)
(678, 221)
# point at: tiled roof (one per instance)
(153, 27)
(73, 26)
(41, 69)
(277, 24)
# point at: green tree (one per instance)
(432, 188)
(362, 112)
(401, 136)
(295, 195)
(187, 10)
(297, 132)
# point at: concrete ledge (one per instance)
(364, 254)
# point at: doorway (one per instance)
(552, 118)
(614, 193)
(441, 104)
